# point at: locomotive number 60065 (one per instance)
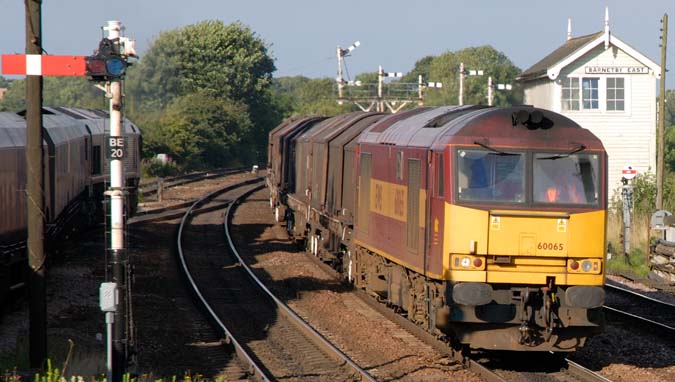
(551, 246)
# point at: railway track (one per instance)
(536, 368)
(268, 341)
(149, 188)
(651, 314)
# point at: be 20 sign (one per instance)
(116, 147)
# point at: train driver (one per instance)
(558, 184)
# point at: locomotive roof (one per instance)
(468, 124)
(62, 127)
(11, 120)
(97, 120)
(327, 135)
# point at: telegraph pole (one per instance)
(35, 187)
(490, 90)
(340, 81)
(462, 73)
(380, 79)
(662, 116)
(421, 88)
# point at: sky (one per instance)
(302, 35)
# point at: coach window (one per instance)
(615, 94)
(589, 93)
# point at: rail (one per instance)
(243, 355)
(310, 332)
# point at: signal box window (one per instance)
(570, 94)
(488, 176)
(571, 179)
(615, 94)
(589, 93)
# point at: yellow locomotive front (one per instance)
(524, 243)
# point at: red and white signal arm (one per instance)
(43, 65)
(628, 172)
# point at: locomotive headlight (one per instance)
(466, 262)
(586, 265)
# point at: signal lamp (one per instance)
(107, 64)
(95, 66)
(115, 67)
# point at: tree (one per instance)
(669, 139)
(228, 61)
(57, 91)
(15, 98)
(422, 68)
(222, 63)
(202, 130)
(303, 96)
(445, 69)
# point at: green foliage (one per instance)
(226, 61)
(644, 193)
(214, 75)
(15, 98)
(422, 68)
(155, 168)
(56, 91)
(445, 69)
(202, 131)
(669, 151)
(73, 91)
(634, 263)
(644, 205)
(303, 96)
(4, 83)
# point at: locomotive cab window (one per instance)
(566, 179)
(490, 176)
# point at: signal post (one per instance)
(108, 65)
